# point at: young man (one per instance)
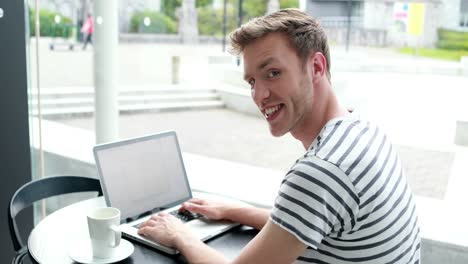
(346, 200)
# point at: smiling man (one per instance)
(345, 200)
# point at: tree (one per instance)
(169, 7)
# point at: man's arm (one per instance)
(272, 245)
(249, 216)
(236, 212)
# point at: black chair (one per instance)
(37, 190)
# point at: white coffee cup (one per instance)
(103, 226)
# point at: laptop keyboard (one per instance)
(184, 216)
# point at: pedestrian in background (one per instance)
(87, 29)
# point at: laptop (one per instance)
(146, 175)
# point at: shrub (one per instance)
(168, 7)
(256, 8)
(289, 3)
(48, 27)
(453, 44)
(446, 34)
(443, 54)
(160, 23)
(252, 8)
(210, 21)
(452, 40)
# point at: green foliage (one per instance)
(452, 40)
(453, 44)
(160, 23)
(169, 7)
(252, 8)
(289, 4)
(443, 54)
(256, 8)
(203, 3)
(48, 27)
(446, 34)
(210, 21)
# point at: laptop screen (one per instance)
(141, 174)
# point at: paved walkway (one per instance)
(237, 137)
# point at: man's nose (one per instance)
(260, 93)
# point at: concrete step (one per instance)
(64, 102)
(127, 99)
(174, 106)
(150, 98)
(80, 100)
(123, 90)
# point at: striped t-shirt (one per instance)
(348, 200)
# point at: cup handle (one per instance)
(117, 234)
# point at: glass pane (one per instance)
(174, 73)
(60, 77)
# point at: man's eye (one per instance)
(273, 74)
(251, 82)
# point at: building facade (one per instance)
(389, 22)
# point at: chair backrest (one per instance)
(37, 190)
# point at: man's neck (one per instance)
(324, 109)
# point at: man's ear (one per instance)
(319, 66)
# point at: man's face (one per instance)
(281, 88)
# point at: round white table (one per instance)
(50, 240)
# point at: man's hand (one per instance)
(210, 209)
(165, 229)
(237, 211)
(170, 231)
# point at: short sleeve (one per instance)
(316, 199)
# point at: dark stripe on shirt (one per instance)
(380, 231)
(340, 141)
(376, 221)
(356, 140)
(382, 188)
(377, 176)
(334, 177)
(310, 260)
(368, 258)
(301, 219)
(330, 191)
(318, 199)
(295, 231)
(373, 161)
(363, 152)
(416, 250)
(307, 208)
(337, 124)
(408, 249)
(375, 244)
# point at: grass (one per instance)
(443, 54)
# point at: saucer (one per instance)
(81, 251)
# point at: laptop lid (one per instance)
(142, 175)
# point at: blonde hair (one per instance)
(303, 31)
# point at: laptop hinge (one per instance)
(133, 218)
(149, 212)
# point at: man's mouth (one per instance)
(271, 112)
